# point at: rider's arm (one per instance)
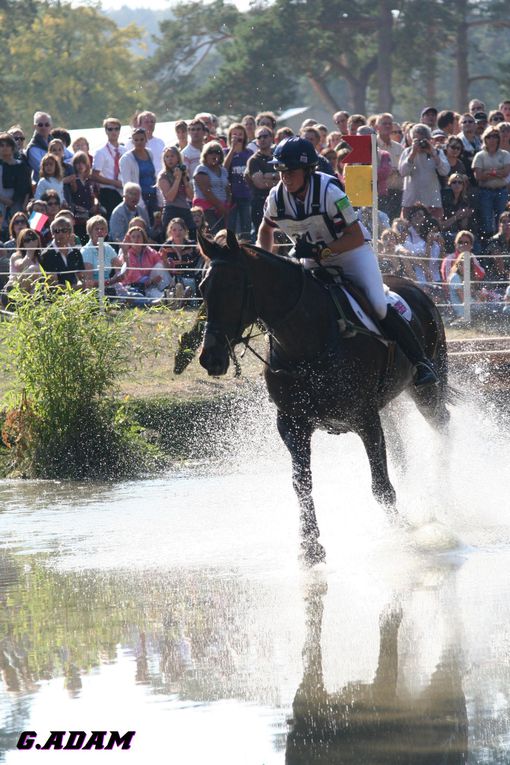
(265, 237)
(351, 238)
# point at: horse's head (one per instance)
(226, 290)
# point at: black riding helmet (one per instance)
(294, 153)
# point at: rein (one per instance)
(216, 330)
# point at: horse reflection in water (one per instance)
(374, 724)
(316, 377)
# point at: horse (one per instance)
(317, 376)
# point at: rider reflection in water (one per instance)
(316, 214)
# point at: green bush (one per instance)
(66, 356)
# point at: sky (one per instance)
(154, 4)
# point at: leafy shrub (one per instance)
(66, 356)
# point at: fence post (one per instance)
(375, 198)
(467, 287)
(100, 266)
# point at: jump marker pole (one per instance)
(100, 263)
(375, 201)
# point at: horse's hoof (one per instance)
(312, 553)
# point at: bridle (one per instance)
(233, 335)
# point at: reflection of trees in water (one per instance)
(184, 629)
(374, 723)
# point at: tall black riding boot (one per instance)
(398, 329)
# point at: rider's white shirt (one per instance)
(333, 205)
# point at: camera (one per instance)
(423, 143)
(182, 168)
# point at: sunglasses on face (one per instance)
(456, 183)
(112, 129)
(61, 230)
(30, 238)
(264, 135)
(44, 124)
(19, 137)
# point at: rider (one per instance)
(317, 216)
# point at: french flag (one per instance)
(37, 221)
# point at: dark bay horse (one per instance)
(316, 377)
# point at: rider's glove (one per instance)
(304, 249)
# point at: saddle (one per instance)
(335, 283)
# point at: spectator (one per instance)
(312, 134)
(129, 208)
(106, 167)
(249, 124)
(354, 122)
(25, 262)
(97, 227)
(57, 148)
(415, 242)
(391, 202)
(181, 131)
(429, 273)
(176, 188)
(40, 206)
(182, 258)
(50, 177)
(199, 219)
(81, 144)
(324, 136)
(192, 153)
(15, 184)
(428, 117)
(495, 117)
(333, 139)
(504, 136)
(446, 122)
(470, 142)
(260, 174)
(457, 208)
(61, 257)
(236, 158)
(282, 133)
(53, 205)
(453, 151)
(144, 271)
(212, 189)
(420, 165)
(266, 119)
(481, 123)
(64, 137)
(389, 262)
(475, 105)
(137, 166)
(340, 119)
(38, 145)
(83, 200)
(400, 228)
(464, 242)
(455, 276)
(147, 122)
(504, 108)
(397, 134)
(17, 223)
(19, 137)
(491, 167)
(496, 259)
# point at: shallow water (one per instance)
(176, 607)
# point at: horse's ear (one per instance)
(205, 243)
(232, 243)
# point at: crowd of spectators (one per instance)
(443, 185)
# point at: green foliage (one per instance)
(70, 61)
(66, 356)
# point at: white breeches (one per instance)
(362, 268)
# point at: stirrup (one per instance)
(424, 374)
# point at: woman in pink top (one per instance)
(141, 261)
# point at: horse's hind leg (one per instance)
(373, 439)
(297, 436)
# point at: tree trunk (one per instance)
(461, 58)
(384, 62)
(322, 91)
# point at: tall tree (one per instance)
(74, 63)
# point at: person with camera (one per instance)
(176, 189)
(236, 159)
(420, 165)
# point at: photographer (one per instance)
(420, 165)
(176, 189)
(236, 159)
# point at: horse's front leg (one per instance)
(297, 436)
(373, 439)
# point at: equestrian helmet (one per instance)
(294, 153)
